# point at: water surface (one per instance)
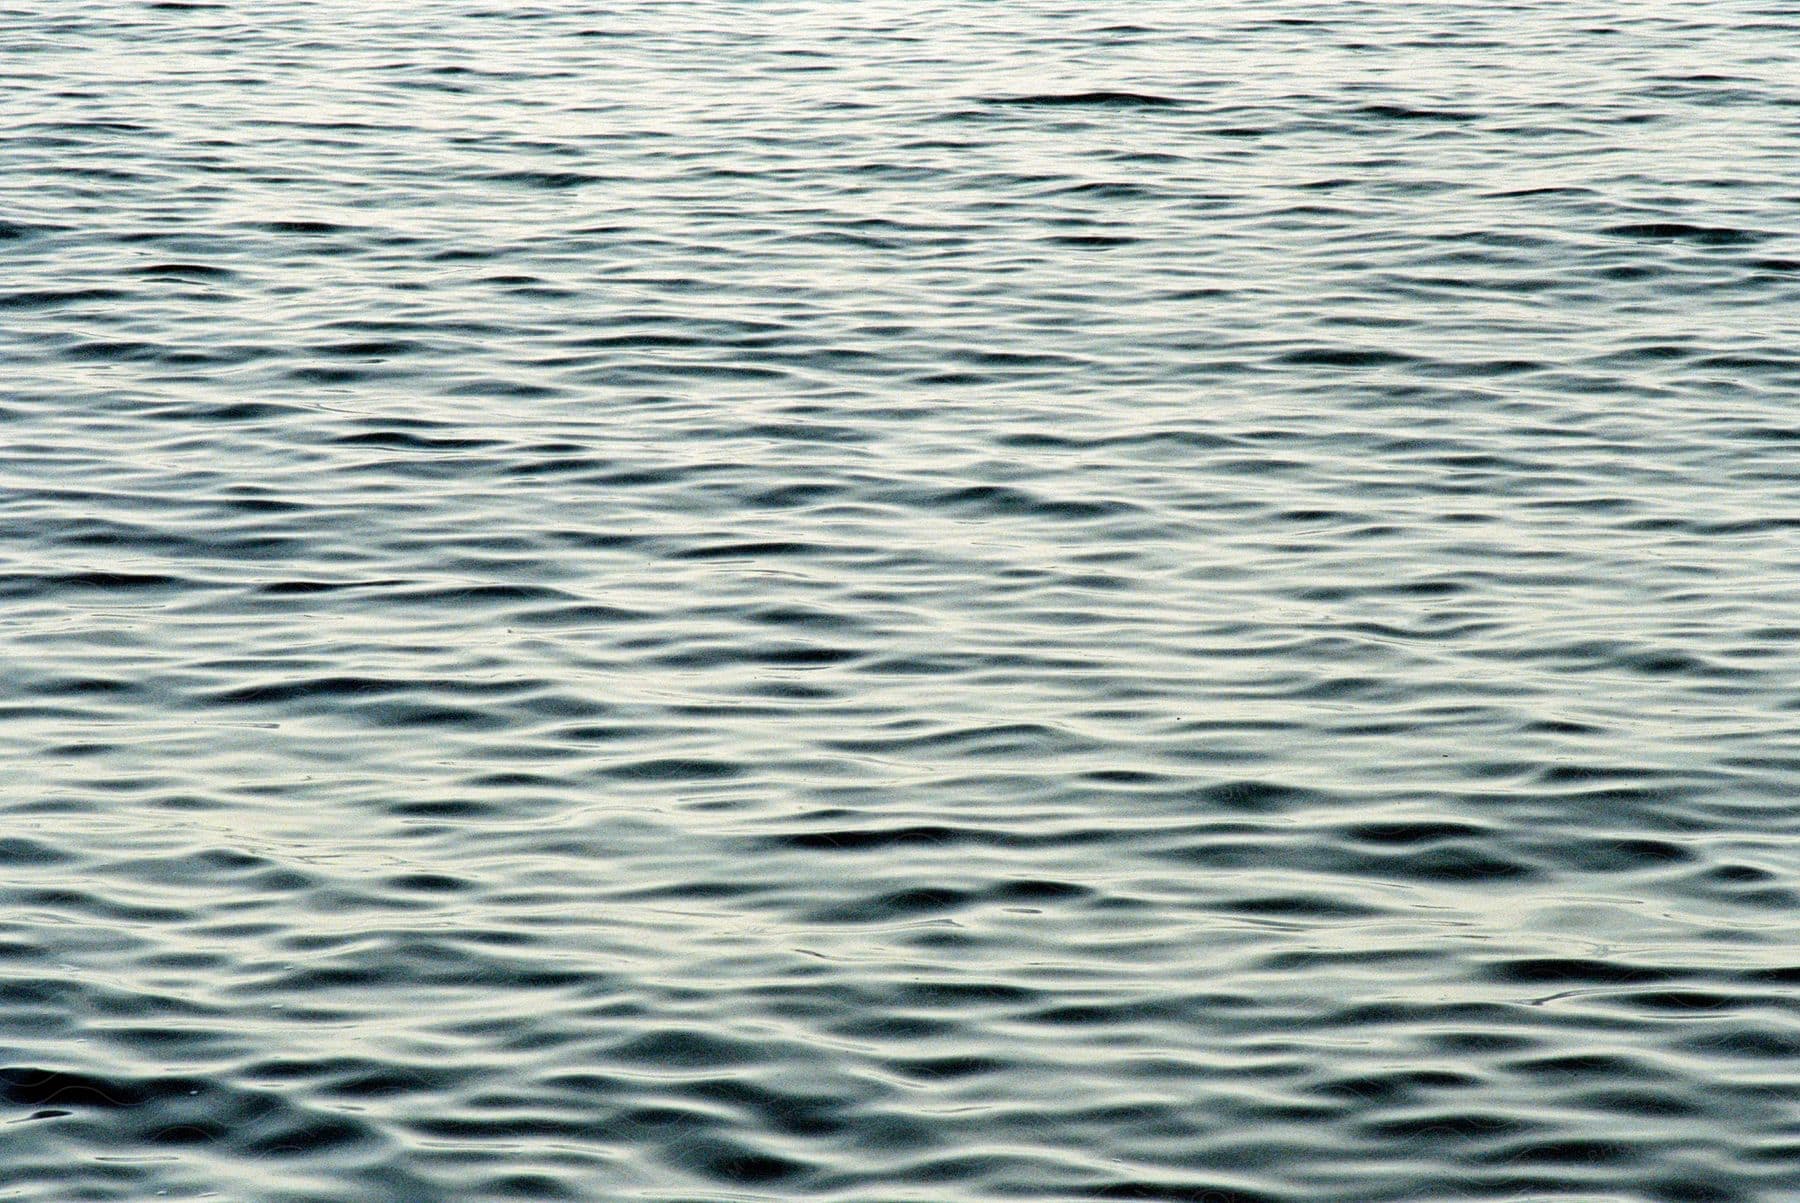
(899, 602)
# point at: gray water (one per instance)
(900, 602)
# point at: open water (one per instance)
(899, 602)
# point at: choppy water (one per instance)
(720, 601)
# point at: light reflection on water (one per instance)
(898, 602)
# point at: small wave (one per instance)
(1096, 99)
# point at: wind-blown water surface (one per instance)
(874, 602)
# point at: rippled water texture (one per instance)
(886, 602)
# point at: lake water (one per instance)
(900, 603)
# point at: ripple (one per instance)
(1102, 99)
(873, 603)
